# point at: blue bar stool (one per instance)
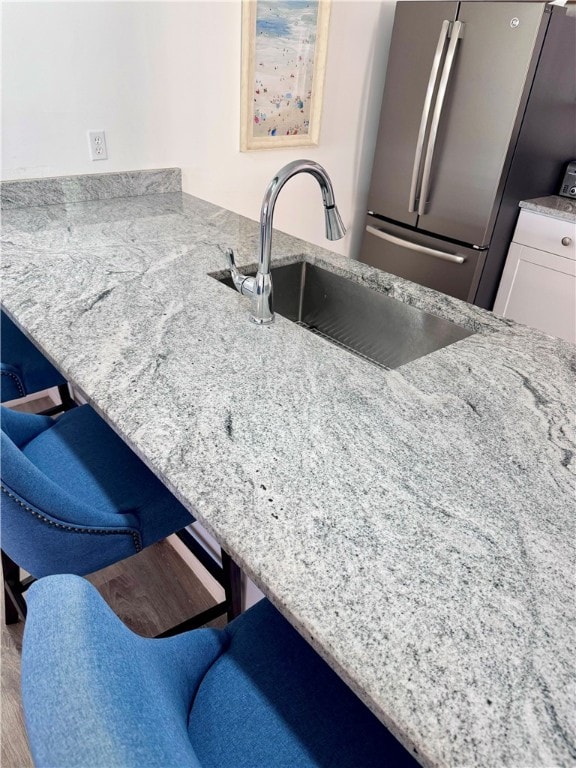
(24, 370)
(74, 499)
(254, 695)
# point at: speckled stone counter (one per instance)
(417, 526)
(553, 205)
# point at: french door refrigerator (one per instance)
(478, 113)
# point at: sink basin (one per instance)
(360, 319)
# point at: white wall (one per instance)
(163, 80)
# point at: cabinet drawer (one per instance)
(546, 234)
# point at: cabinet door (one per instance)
(539, 289)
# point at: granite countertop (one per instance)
(417, 526)
(553, 205)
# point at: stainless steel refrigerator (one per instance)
(478, 113)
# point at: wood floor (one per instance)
(151, 592)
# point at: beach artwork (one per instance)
(283, 58)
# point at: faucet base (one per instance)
(262, 320)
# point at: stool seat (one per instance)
(254, 695)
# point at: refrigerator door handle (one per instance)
(415, 246)
(456, 34)
(432, 81)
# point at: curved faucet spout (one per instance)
(263, 312)
(334, 226)
(260, 286)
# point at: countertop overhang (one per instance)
(416, 526)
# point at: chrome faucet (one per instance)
(260, 286)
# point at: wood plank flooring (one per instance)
(151, 592)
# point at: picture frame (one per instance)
(284, 44)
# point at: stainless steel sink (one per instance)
(356, 317)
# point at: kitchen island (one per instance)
(416, 526)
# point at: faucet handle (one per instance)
(229, 254)
(242, 283)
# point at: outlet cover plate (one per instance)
(97, 145)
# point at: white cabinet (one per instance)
(538, 286)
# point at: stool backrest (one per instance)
(39, 517)
(23, 368)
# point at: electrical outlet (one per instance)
(97, 144)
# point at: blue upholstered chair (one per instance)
(75, 499)
(24, 370)
(254, 695)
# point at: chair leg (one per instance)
(228, 575)
(10, 613)
(232, 583)
(66, 402)
(14, 603)
(66, 398)
(195, 622)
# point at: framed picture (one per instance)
(283, 60)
